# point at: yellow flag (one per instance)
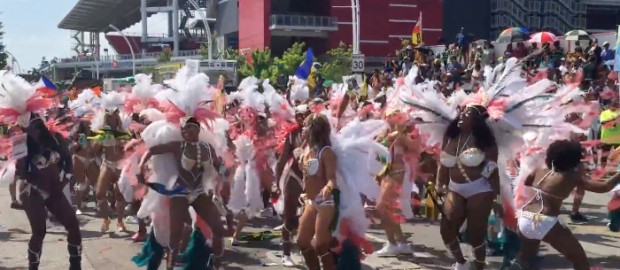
(416, 34)
(364, 90)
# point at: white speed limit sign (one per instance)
(357, 63)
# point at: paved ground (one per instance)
(114, 251)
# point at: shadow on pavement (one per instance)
(604, 240)
(240, 258)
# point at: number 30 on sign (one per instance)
(357, 63)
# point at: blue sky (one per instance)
(31, 30)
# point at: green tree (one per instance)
(291, 59)
(261, 65)
(3, 55)
(166, 56)
(338, 63)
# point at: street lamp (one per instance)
(14, 61)
(96, 64)
(133, 56)
(206, 23)
(355, 6)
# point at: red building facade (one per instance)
(384, 23)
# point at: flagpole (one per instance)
(421, 31)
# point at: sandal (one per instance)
(16, 205)
(139, 237)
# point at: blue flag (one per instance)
(305, 68)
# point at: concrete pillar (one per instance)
(175, 27)
(170, 29)
(144, 16)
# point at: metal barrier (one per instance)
(121, 57)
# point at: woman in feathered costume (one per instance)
(110, 126)
(552, 184)
(289, 180)
(39, 168)
(185, 165)
(396, 181)
(85, 161)
(254, 150)
(471, 157)
(319, 166)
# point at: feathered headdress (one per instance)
(142, 94)
(85, 103)
(19, 100)
(188, 98)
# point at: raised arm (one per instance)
(601, 186)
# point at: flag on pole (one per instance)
(46, 86)
(416, 34)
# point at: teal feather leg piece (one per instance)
(151, 255)
(198, 254)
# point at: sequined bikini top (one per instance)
(470, 157)
(187, 163)
(310, 166)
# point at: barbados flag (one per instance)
(305, 69)
(46, 86)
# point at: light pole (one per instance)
(355, 21)
(355, 24)
(133, 56)
(206, 23)
(14, 61)
(96, 64)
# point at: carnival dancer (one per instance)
(185, 165)
(468, 144)
(538, 219)
(139, 103)
(86, 162)
(471, 157)
(319, 165)
(289, 181)
(396, 180)
(110, 126)
(333, 181)
(39, 168)
(254, 150)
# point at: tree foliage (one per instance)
(261, 65)
(291, 59)
(166, 56)
(338, 63)
(3, 55)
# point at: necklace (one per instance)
(460, 148)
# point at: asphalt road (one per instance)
(112, 251)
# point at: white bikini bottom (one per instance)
(535, 226)
(317, 202)
(472, 188)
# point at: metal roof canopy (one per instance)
(96, 15)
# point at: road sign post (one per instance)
(357, 63)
